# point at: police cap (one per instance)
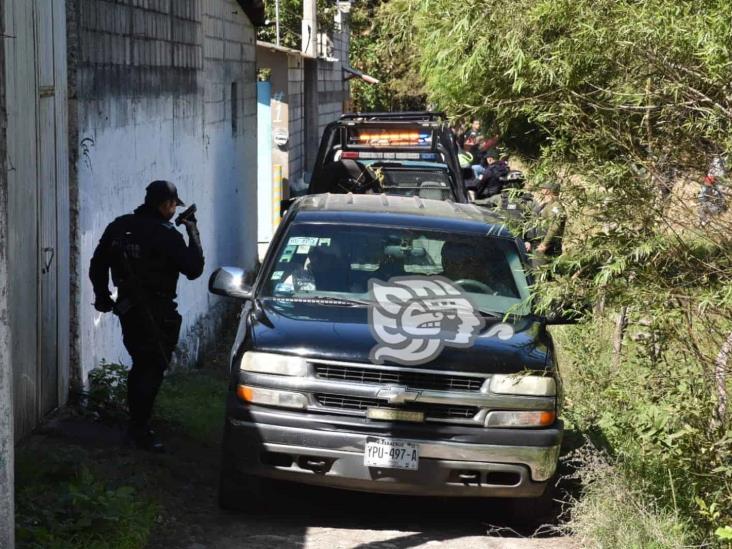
(159, 191)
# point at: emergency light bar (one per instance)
(353, 155)
(388, 137)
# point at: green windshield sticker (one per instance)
(303, 241)
(277, 275)
(287, 254)
(303, 249)
(324, 242)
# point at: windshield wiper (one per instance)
(325, 299)
(492, 314)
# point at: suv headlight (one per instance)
(527, 385)
(520, 419)
(272, 363)
(271, 397)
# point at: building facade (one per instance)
(163, 89)
(102, 98)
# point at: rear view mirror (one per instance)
(231, 282)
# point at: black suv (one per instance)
(402, 153)
(321, 392)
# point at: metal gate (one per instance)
(38, 207)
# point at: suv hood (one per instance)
(342, 333)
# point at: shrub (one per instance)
(61, 503)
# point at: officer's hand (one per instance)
(527, 245)
(104, 304)
(190, 221)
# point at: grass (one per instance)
(193, 403)
(71, 495)
(658, 478)
(614, 513)
(62, 502)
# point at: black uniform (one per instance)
(145, 254)
(491, 182)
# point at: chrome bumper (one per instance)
(334, 457)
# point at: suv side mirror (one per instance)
(231, 282)
(285, 205)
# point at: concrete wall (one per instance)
(7, 513)
(164, 89)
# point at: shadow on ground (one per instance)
(183, 483)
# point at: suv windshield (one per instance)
(336, 261)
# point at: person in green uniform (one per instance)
(545, 241)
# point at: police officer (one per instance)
(493, 179)
(546, 239)
(145, 254)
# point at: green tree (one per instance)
(618, 94)
(291, 21)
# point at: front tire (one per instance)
(241, 492)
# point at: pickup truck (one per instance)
(399, 153)
(387, 344)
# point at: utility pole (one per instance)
(310, 28)
(7, 508)
(277, 22)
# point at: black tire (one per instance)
(535, 512)
(241, 492)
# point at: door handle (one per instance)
(48, 254)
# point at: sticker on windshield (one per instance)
(303, 249)
(277, 275)
(303, 241)
(287, 254)
(413, 318)
(324, 242)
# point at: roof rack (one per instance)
(407, 115)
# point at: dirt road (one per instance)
(184, 480)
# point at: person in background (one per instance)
(491, 181)
(545, 241)
(471, 140)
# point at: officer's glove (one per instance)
(191, 223)
(104, 304)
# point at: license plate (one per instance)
(391, 453)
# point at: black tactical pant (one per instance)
(150, 333)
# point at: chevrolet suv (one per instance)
(387, 344)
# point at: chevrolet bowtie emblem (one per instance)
(398, 395)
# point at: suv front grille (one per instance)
(416, 380)
(431, 411)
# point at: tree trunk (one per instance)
(720, 379)
(620, 325)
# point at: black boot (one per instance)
(145, 438)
